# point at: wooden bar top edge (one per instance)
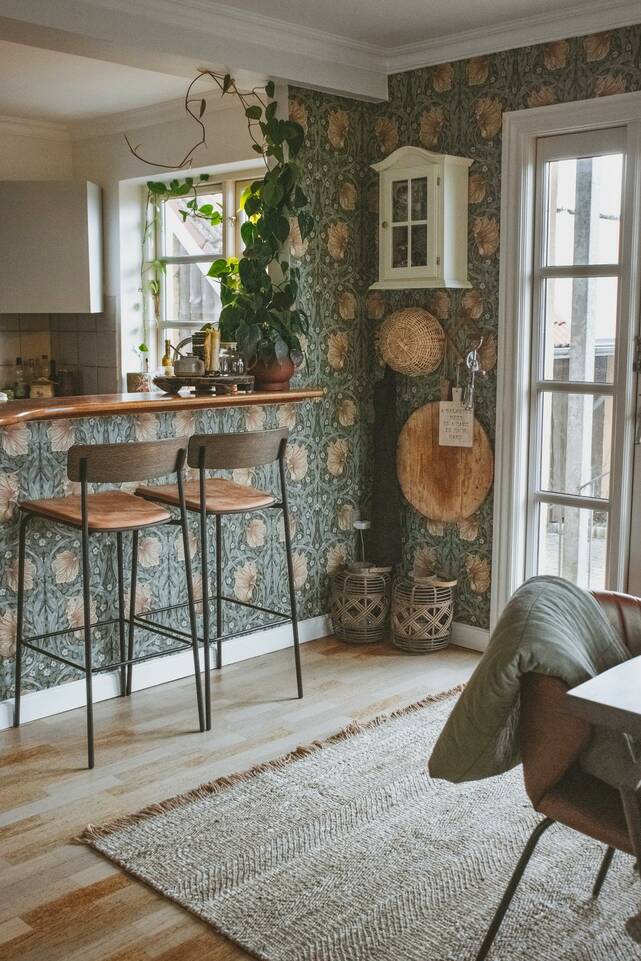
(103, 405)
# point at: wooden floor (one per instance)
(59, 900)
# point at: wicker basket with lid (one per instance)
(359, 605)
(422, 612)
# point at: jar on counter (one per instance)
(231, 361)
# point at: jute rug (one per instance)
(347, 851)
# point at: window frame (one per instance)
(231, 185)
(595, 143)
(521, 130)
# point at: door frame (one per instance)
(521, 130)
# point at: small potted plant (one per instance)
(140, 381)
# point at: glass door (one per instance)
(577, 396)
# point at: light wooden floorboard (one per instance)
(59, 900)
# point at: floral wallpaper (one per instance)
(457, 108)
(454, 108)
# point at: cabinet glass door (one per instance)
(409, 222)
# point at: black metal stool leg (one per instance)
(190, 602)
(512, 886)
(86, 596)
(121, 614)
(24, 520)
(290, 575)
(132, 607)
(603, 871)
(219, 591)
(204, 567)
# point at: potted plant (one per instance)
(259, 291)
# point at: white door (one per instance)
(582, 387)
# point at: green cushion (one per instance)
(550, 626)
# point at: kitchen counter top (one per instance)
(103, 405)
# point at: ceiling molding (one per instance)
(38, 129)
(575, 22)
(203, 32)
(178, 36)
(280, 34)
(140, 117)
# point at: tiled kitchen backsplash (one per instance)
(87, 344)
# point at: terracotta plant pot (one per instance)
(274, 376)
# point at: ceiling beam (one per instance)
(177, 38)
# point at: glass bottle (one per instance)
(167, 363)
(19, 383)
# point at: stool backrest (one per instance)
(119, 463)
(231, 451)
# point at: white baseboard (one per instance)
(66, 697)
(474, 638)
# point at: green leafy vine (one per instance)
(259, 291)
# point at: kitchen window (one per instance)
(187, 297)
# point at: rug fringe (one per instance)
(96, 832)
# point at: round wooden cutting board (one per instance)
(445, 484)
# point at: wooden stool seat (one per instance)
(221, 496)
(106, 511)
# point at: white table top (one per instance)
(612, 699)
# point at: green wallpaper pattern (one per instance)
(450, 108)
(455, 108)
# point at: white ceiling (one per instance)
(76, 61)
(391, 24)
(43, 84)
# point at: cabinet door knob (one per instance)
(385, 224)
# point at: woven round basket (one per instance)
(411, 341)
(360, 604)
(422, 611)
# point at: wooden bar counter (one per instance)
(35, 438)
(103, 405)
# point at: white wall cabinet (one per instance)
(423, 220)
(50, 247)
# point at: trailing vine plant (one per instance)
(259, 291)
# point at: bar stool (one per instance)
(217, 496)
(110, 512)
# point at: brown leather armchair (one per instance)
(551, 741)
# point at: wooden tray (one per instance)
(446, 484)
(207, 384)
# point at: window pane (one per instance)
(196, 235)
(419, 245)
(419, 199)
(399, 246)
(573, 543)
(399, 201)
(190, 295)
(577, 436)
(580, 328)
(584, 210)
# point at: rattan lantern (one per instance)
(359, 606)
(411, 341)
(422, 612)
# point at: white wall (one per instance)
(33, 157)
(107, 160)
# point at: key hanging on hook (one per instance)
(474, 366)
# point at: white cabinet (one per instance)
(422, 220)
(50, 247)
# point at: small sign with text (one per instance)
(455, 425)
